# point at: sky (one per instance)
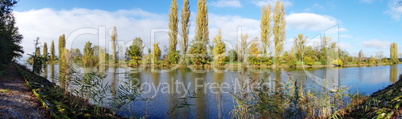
(368, 25)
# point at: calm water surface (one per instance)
(185, 93)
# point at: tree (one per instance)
(360, 57)
(10, 38)
(134, 52)
(185, 19)
(232, 55)
(173, 24)
(372, 60)
(279, 29)
(254, 51)
(219, 49)
(52, 52)
(45, 54)
(62, 60)
(265, 26)
(113, 39)
(394, 53)
(62, 46)
(242, 47)
(155, 53)
(88, 58)
(199, 45)
(299, 44)
(308, 60)
(76, 55)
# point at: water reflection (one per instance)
(201, 94)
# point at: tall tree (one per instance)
(10, 38)
(113, 39)
(62, 60)
(242, 47)
(299, 44)
(173, 24)
(52, 52)
(265, 26)
(199, 45)
(219, 49)
(394, 53)
(62, 46)
(279, 29)
(45, 55)
(185, 19)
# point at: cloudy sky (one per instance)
(368, 25)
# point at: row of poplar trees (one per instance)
(271, 25)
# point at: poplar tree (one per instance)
(88, 58)
(173, 22)
(113, 39)
(299, 44)
(62, 60)
(265, 26)
(45, 55)
(155, 53)
(199, 45)
(394, 53)
(62, 45)
(185, 19)
(279, 29)
(52, 52)
(219, 49)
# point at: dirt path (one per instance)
(16, 99)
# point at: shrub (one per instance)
(337, 62)
(308, 60)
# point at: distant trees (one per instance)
(185, 20)
(173, 30)
(360, 57)
(134, 52)
(10, 38)
(45, 54)
(219, 50)
(279, 29)
(394, 53)
(232, 55)
(198, 48)
(265, 26)
(242, 47)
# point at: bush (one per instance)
(292, 63)
(173, 57)
(337, 62)
(308, 60)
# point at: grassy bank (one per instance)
(59, 102)
(385, 103)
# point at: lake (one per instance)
(188, 93)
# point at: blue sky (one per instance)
(368, 25)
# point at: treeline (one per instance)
(200, 51)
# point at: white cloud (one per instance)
(260, 3)
(226, 3)
(394, 9)
(310, 21)
(49, 24)
(379, 44)
(367, 1)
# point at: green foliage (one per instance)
(113, 38)
(185, 20)
(299, 45)
(360, 57)
(134, 52)
(52, 52)
(76, 55)
(89, 59)
(173, 27)
(279, 29)
(45, 54)
(173, 57)
(337, 62)
(232, 55)
(394, 53)
(372, 60)
(308, 60)
(265, 27)
(10, 38)
(219, 49)
(198, 48)
(155, 53)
